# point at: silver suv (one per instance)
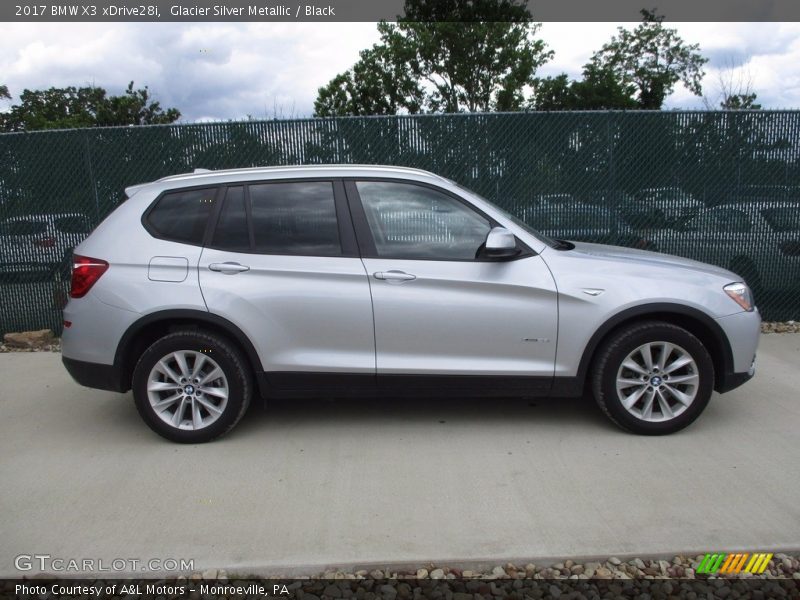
(203, 290)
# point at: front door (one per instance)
(441, 312)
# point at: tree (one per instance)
(442, 56)
(378, 84)
(652, 58)
(71, 107)
(4, 92)
(734, 89)
(598, 90)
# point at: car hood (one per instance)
(647, 258)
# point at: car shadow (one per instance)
(380, 411)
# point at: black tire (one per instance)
(619, 346)
(229, 359)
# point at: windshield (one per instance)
(516, 220)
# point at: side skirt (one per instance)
(359, 385)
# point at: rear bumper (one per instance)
(94, 375)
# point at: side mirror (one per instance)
(500, 243)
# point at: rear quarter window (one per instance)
(182, 216)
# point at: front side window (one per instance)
(417, 222)
(182, 216)
(295, 218)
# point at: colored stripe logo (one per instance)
(731, 564)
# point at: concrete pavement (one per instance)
(311, 484)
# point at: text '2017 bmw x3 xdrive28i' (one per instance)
(202, 290)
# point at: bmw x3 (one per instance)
(202, 291)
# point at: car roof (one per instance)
(206, 176)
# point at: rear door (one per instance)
(441, 312)
(282, 264)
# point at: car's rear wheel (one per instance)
(653, 378)
(192, 386)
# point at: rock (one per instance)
(422, 573)
(663, 565)
(499, 572)
(467, 573)
(462, 596)
(555, 591)
(388, 591)
(210, 574)
(29, 339)
(376, 574)
(333, 591)
(602, 573)
(577, 569)
(615, 561)
(437, 574)
(638, 563)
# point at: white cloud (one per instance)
(231, 70)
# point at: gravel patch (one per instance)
(613, 578)
(54, 346)
(780, 327)
(782, 566)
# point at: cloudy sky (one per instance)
(213, 71)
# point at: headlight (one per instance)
(740, 294)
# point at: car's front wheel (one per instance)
(653, 378)
(192, 386)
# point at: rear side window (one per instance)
(231, 230)
(296, 218)
(182, 216)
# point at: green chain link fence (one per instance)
(720, 187)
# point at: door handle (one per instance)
(229, 268)
(393, 276)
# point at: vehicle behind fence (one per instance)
(720, 187)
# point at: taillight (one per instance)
(46, 242)
(791, 248)
(85, 273)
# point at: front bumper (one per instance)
(743, 331)
(731, 381)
